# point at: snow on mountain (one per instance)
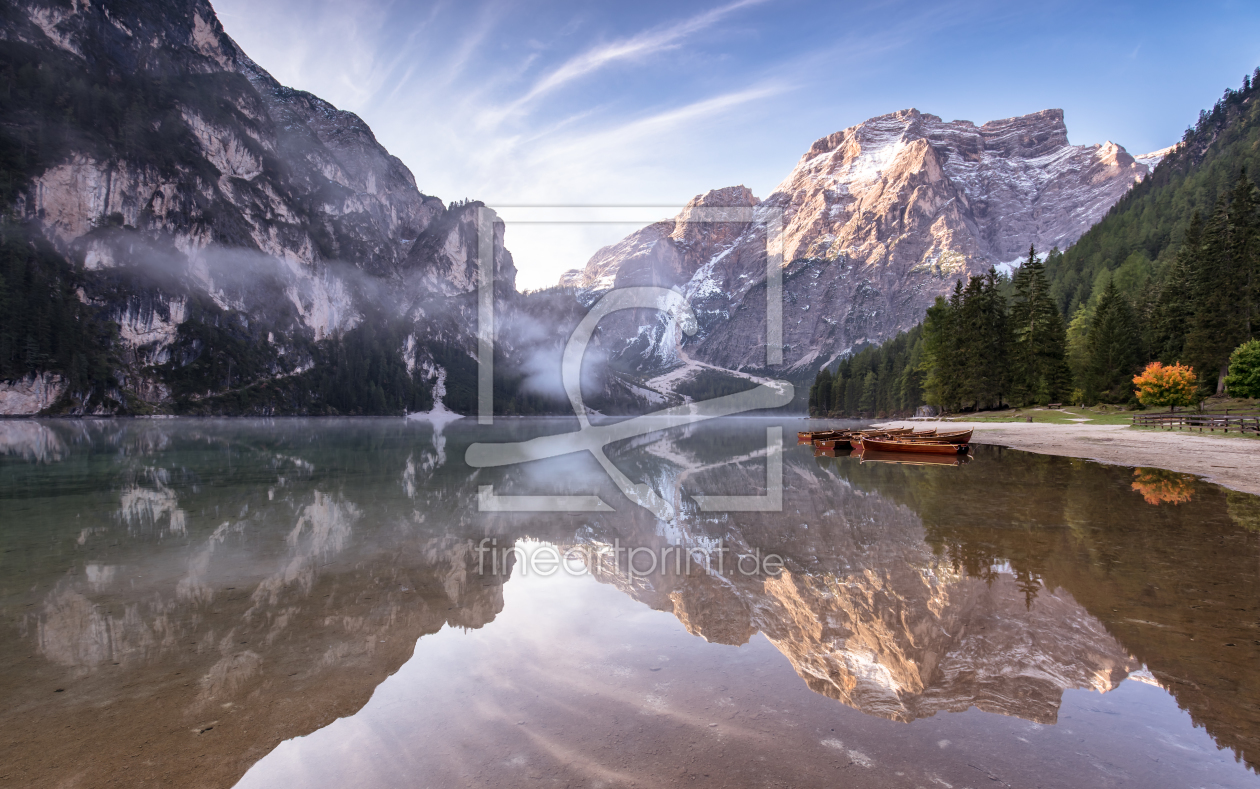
(1154, 157)
(879, 219)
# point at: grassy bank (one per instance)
(1112, 415)
(1056, 416)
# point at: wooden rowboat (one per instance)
(923, 447)
(805, 436)
(953, 437)
(849, 439)
(840, 439)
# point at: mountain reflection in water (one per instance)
(182, 597)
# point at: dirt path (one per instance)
(1232, 462)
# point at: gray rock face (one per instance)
(269, 201)
(879, 220)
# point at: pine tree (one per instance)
(1218, 325)
(869, 391)
(1113, 345)
(1174, 307)
(1244, 253)
(1039, 338)
(1078, 357)
(969, 356)
(820, 393)
(982, 343)
(939, 363)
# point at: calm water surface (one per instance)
(302, 603)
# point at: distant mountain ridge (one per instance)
(879, 219)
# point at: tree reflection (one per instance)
(1159, 486)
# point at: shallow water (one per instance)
(303, 603)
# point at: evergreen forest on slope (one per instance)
(1170, 274)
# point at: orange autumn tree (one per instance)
(1173, 385)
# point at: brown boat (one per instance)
(952, 437)
(922, 447)
(912, 459)
(849, 439)
(841, 437)
(805, 436)
(893, 431)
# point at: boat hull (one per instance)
(957, 437)
(920, 447)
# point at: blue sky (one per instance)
(655, 102)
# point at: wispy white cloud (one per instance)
(636, 134)
(635, 47)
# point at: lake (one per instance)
(349, 603)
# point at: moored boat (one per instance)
(849, 439)
(922, 447)
(951, 437)
(806, 436)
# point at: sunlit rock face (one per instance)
(878, 220)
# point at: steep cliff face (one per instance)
(198, 193)
(878, 220)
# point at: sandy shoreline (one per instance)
(1230, 462)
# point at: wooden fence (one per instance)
(1201, 422)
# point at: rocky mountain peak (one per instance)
(693, 227)
(1035, 134)
(1115, 155)
(879, 219)
(160, 39)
